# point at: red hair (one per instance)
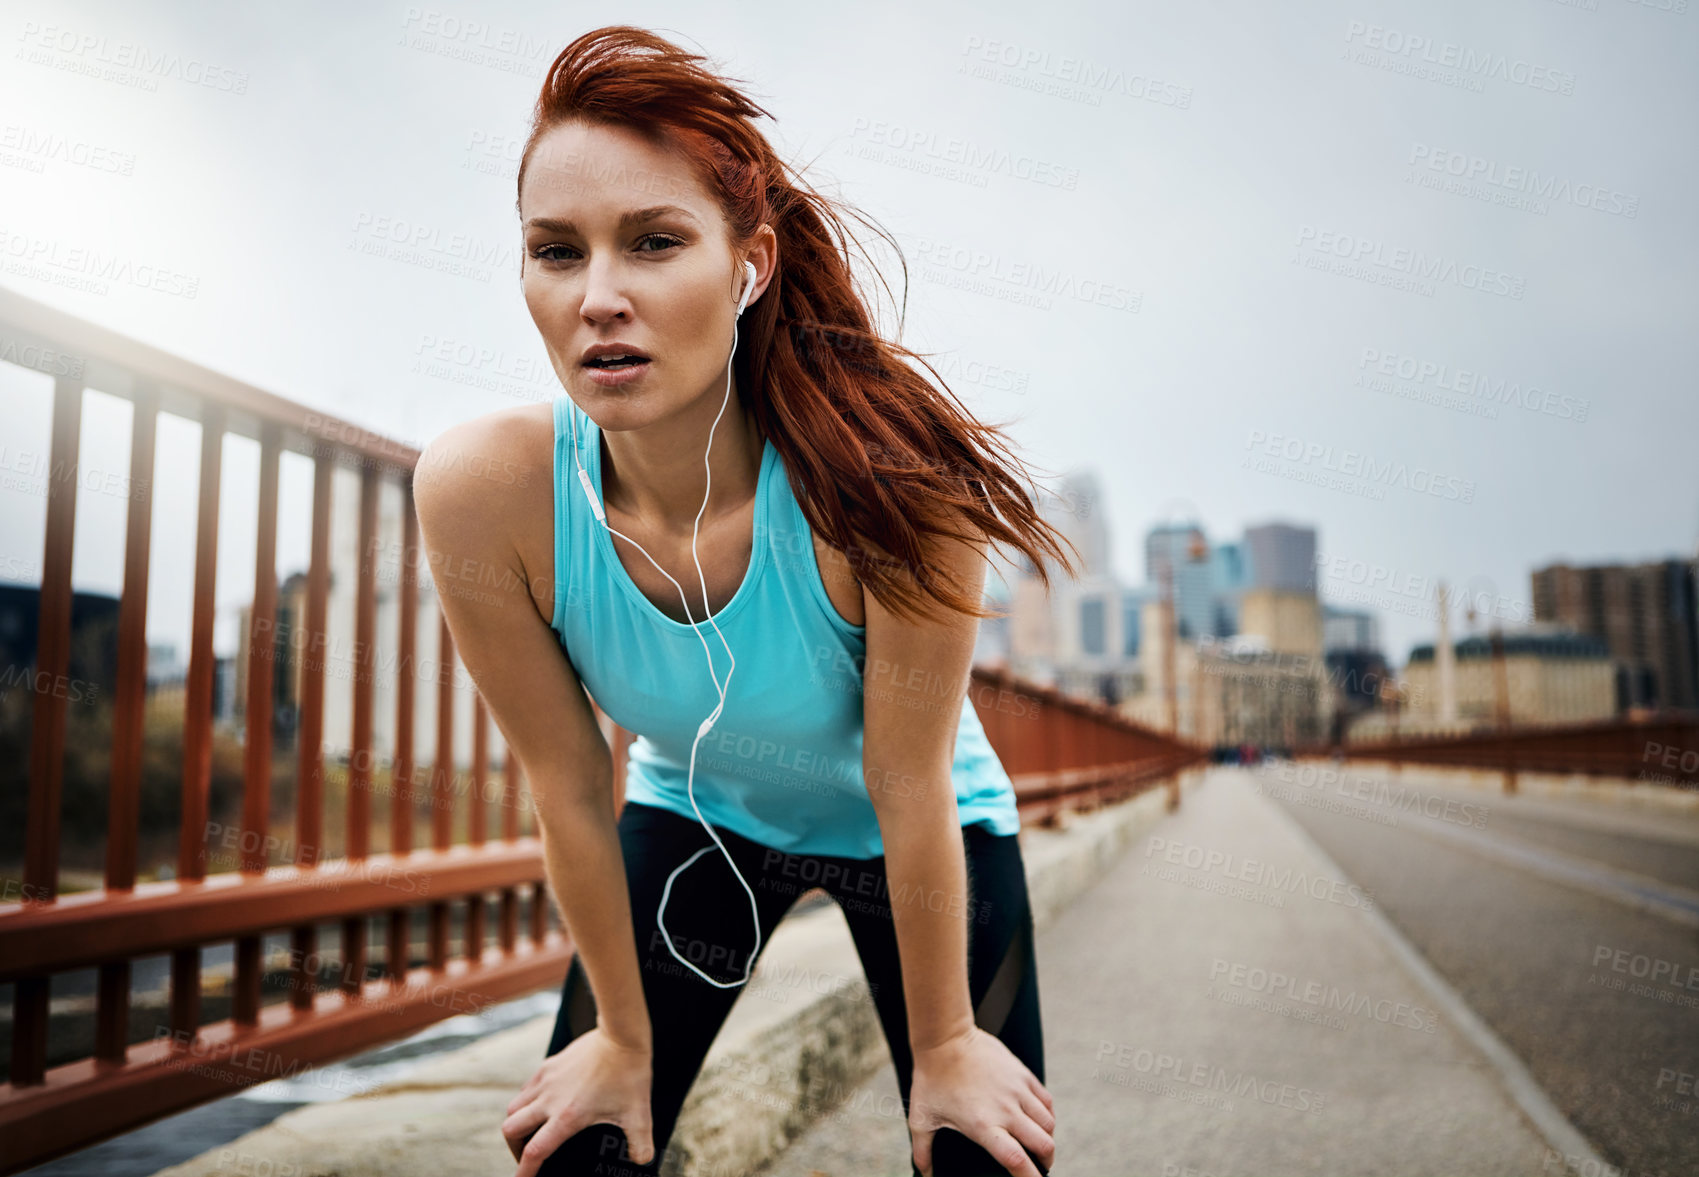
(879, 460)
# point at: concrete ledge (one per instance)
(799, 1041)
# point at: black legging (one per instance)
(709, 919)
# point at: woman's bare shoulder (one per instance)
(497, 448)
(490, 469)
(526, 427)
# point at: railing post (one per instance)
(124, 792)
(197, 716)
(476, 821)
(257, 722)
(361, 755)
(309, 809)
(262, 670)
(309, 819)
(399, 935)
(442, 786)
(126, 771)
(53, 647)
(47, 719)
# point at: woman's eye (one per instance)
(566, 253)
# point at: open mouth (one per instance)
(615, 362)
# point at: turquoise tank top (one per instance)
(782, 764)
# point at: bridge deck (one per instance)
(1161, 1064)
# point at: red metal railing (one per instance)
(1058, 750)
(1067, 753)
(47, 1110)
(1663, 750)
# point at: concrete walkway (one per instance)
(1243, 1017)
(1216, 1002)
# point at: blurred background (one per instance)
(1353, 345)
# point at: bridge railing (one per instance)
(471, 914)
(1662, 749)
(423, 932)
(1063, 752)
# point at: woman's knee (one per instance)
(600, 1149)
(957, 1155)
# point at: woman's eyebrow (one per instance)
(627, 220)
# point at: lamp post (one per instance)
(1501, 676)
(1391, 700)
(1495, 639)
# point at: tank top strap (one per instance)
(566, 500)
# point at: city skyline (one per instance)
(1198, 316)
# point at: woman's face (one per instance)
(623, 245)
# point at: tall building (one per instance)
(1356, 665)
(1083, 493)
(1073, 636)
(1078, 512)
(1281, 556)
(1349, 629)
(1231, 576)
(1268, 684)
(1286, 621)
(1133, 601)
(1646, 616)
(1194, 590)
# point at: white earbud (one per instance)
(720, 688)
(748, 287)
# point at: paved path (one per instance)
(1170, 1050)
(1569, 927)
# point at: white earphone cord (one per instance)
(720, 690)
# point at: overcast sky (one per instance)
(1206, 250)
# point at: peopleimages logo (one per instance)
(1355, 464)
(1030, 279)
(1524, 181)
(86, 268)
(1471, 63)
(1275, 983)
(1076, 71)
(954, 149)
(1396, 798)
(1251, 870)
(431, 30)
(38, 147)
(423, 244)
(1476, 385)
(42, 359)
(1414, 265)
(90, 51)
(1128, 1057)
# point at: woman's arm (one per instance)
(908, 749)
(913, 686)
(477, 488)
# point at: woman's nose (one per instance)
(604, 292)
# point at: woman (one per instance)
(830, 517)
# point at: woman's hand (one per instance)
(592, 1080)
(977, 1086)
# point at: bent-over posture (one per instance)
(757, 535)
